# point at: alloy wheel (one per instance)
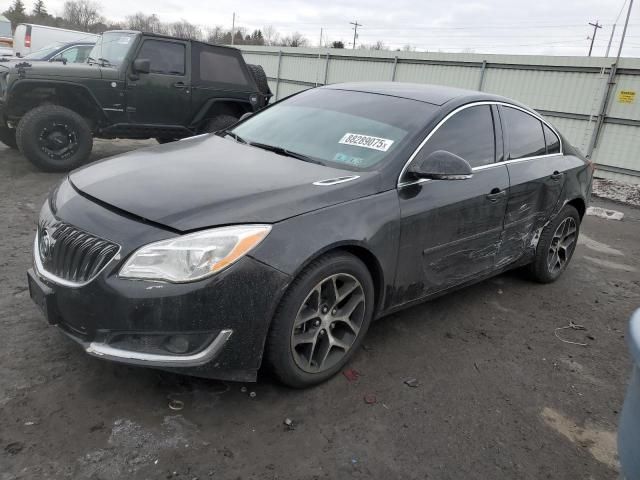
(562, 245)
(328, 323)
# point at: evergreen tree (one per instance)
(39, 10)
(16, 14)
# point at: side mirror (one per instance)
(245, 116)
(141, 65)
(441, 165)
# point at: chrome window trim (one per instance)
(40, 270)
(401, 184)
(105, 351)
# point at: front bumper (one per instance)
(226, 316)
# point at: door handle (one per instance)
(556, 175)
(179, 85)
(496, 194)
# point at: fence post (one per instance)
(326, 70)
(278, 74)
(395, 65)
(482, 70)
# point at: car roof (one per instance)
(434, 94)
(169, 37)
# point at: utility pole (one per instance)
(624, 31)
(613, 30)
(595, 26)
(320, 44)
(233, 27)
(355, 31)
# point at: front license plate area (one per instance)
(42, 296)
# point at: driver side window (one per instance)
(166, 58)
(468, 134)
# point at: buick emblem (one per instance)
(46, 245)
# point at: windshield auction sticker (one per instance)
(365, 141)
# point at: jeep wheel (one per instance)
(54, 138)
(8, 137)
(219, 123)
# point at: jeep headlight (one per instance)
(194, 256)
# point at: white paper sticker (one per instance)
(366, 141)
(124, 40)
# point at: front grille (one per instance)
(70, 253)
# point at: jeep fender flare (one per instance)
(23, 86)
(244, 105)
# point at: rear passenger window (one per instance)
(166, 58)
(552, 140)
(524, 132)
(220, 68)
(468, 134)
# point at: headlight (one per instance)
(194, 256)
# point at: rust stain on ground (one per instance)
(601, 444)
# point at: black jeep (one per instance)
(134, 85)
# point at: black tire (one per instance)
(546, 266)
(219, 122)
(54, 138)
(8, 137)
(260, 78)
(279, 350)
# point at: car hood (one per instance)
(208, 181)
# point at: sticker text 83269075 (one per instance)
(366, 141)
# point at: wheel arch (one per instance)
(216, 106)
(29, 94)
(366, 256)
(580, 205)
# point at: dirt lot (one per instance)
(499, 395)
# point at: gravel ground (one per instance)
(498, 394)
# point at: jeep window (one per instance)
(219, 67)
(112, 48)
(355, 130)
(166, 58)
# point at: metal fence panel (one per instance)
(569, 90)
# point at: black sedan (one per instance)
(279, 240)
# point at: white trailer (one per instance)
(29, 37)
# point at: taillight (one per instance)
(27, 37)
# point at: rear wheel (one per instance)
(556, 246)
(54, 138)
(8, 137)
(321, 320)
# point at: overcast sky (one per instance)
(553, 27)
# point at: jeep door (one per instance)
(162, 96)
(451, 229)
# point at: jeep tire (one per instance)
(54, 138)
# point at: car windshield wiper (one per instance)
(284, 151)
(235, 136)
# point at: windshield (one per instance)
(43, 52)
(352, 129)
(112, 48)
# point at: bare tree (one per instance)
(296, 39)
(184, 29)
(81, 14)
(270, 35)
(216, 35)
(146, 23)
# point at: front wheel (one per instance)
(556, 246)
(321, 320)
(54, 138)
